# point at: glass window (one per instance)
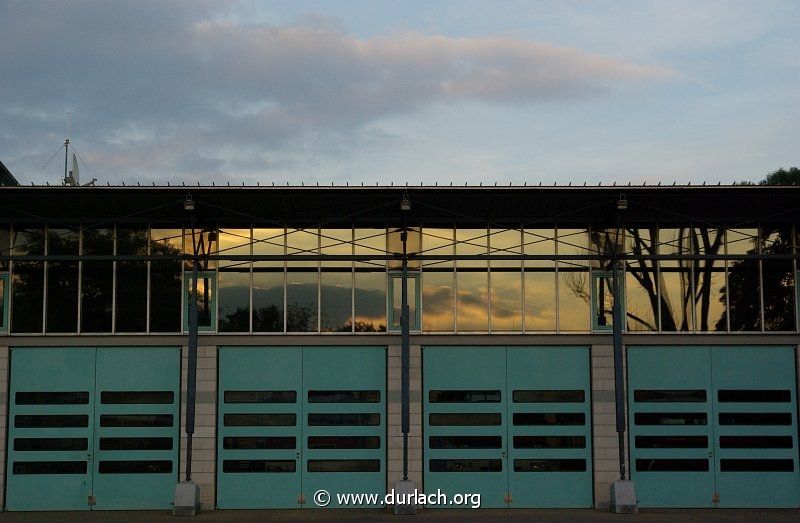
(205, 295)
(573, 281)
(202, 242)
(62, 281)
(641, 281)
(778, 279)
(602, 300)
(4, 284)
(709, 280)
(472, 281)
(506, 280)
(233, 285)
(743, 291)
(165, 281)
(413, 246)
(675, 284)
(438, 281)
(396, 290)
(370, 281)
(336, 290)
(131, 290)
(302, 281)
(540, 281)
(268, 281)
(97, 281)
(336, 281)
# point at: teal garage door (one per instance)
(714, 426)
(295, 420)
(93, 428)
(510, 423)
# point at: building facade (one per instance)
(298, 293)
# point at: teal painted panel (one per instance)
(137, 423)
(658, 381)
(345, 386)
(449, 465)
(750, 382)
(549, 412)
(259, 427)
(53, 387)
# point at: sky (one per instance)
(371, 91)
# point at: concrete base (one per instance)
(623, 498)
(187, 499)
(404, 491)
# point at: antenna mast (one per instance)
(66, 155)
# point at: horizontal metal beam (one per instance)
(397, 257)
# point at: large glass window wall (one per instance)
(312, 283)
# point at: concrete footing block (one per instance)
(623, 498)
(187, 499)
(405, 502)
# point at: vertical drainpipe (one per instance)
(405, 206)
(191, 378)
(619, 381)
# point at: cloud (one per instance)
(182, 91)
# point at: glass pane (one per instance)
(344, 442)
(165, 281)
(344, 396)
(743, 290)
(549, 418)
(671, 465)
(437, 242)
(603, 293)
(131, 313)
(260, 420)
(671, 442)
(234, 298)
(675, 283)
(709, 280)
(97, 282)
(641, 300)
(136, 420)
(549, 396)
(52, 398)
(260, 442)
(302, 242)
(540, 298)
(542, 242)
(260, 396)
(670, 418)
(203, 242)
(27, 284)
(755, 418)
(505, 242)
(756, 465)
(605, 243)
(506, 300)
(471, 242)
(573, 298)
(29, 421)
(138, 397)
(49, 467)
(464, 419)
(336, 291)
(670, 396)
(344, 465)
(269, 242)
(337, 242)
(240, 466)
(465, 465)
(62, 296)
(301, 301)
(397, 301)
(437, 301)
(465, 442)
(137, 443)
(344, 419)
(267, 298)
(370, 301)
(473, 300)
(131, 289)
(3, 325)
(549, 442)
(756, 442)
(395, 246)
(754, 396)
(135, 467)
(5, 245)
(50, 444)
(464, 396)
(549, 465)
(204, 297)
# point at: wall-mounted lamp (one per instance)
(188, 203)
(622, 203)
